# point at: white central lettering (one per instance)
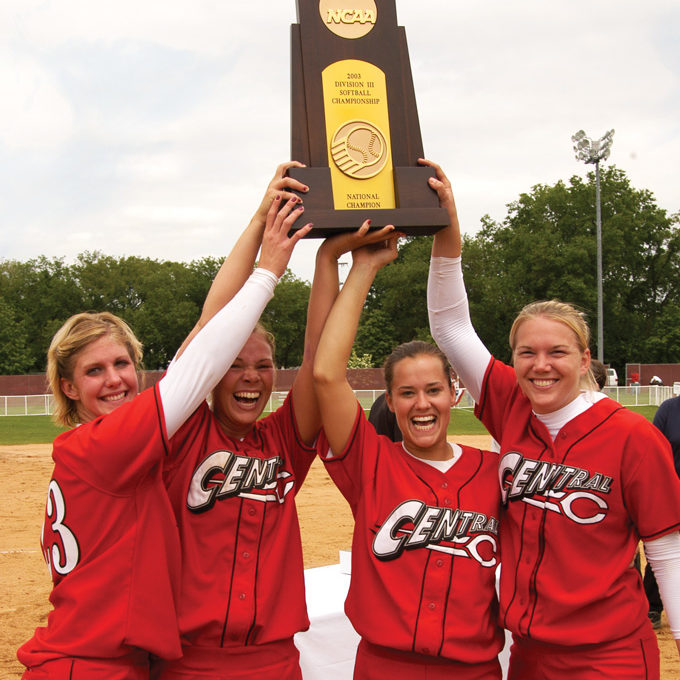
(223, 475)
(433, 526)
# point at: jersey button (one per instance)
(447, 501)
(251, 511)
(440, 563)
(445, 485)
(242, 596)
(432, 605)
(246, 554)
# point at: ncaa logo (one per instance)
(348, 19)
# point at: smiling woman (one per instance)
(550, 352)
(583, 480)
(419, 391)
(108, 523)
(232, 480)
(242, 394)
(424, 552)
(94, 364)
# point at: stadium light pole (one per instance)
(593, 152)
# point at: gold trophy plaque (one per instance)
(354, 121)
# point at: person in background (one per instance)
(599, 373)
(667, 419)
(383, 419)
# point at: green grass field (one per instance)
(41, 429)
(27, 430)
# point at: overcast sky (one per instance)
(152, 127)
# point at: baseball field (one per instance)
(25, 585)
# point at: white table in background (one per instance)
(328, 648)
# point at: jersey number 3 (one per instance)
(62, 555)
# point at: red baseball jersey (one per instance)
(242, 570)
(575, 510)
(110, 540)
(425, 547)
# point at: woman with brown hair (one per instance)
(424, 551)
(232, 479)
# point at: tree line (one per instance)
(544, 248)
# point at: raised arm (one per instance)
(322, 296)
(205, 360)
(238, 265)
(336, 398)
(447, 302)
(446, 242)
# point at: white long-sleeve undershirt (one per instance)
(452, 330)
(450, 324)
(192, 376)
(663, 554)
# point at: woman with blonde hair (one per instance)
(109, 535)
(583, 480)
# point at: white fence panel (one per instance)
(26, 405)
(643, 395)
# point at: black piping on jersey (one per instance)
(248, 639)
(661, 532)
(644, 659)
(348, 447)
(430, 556)
(420, 602)
(257, 570)
(521, 550)
(533, 591)
(485, 380)
(427, 563)
(454, 562)
(260, 447)
(161, 419)
(183, 447)
(296, 433)
(231, 575)
(350, 442)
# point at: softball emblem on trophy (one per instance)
(359, 149)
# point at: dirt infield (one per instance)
(25, 584)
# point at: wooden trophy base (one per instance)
(418, 213)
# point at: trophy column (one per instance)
(354, 120)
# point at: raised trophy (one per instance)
(354, 121)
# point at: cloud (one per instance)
(153, 128)
(34, 113)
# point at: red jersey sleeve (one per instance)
(115, 452)
(301, 454)
(651, 488)
(495, 403)
(355, 466)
